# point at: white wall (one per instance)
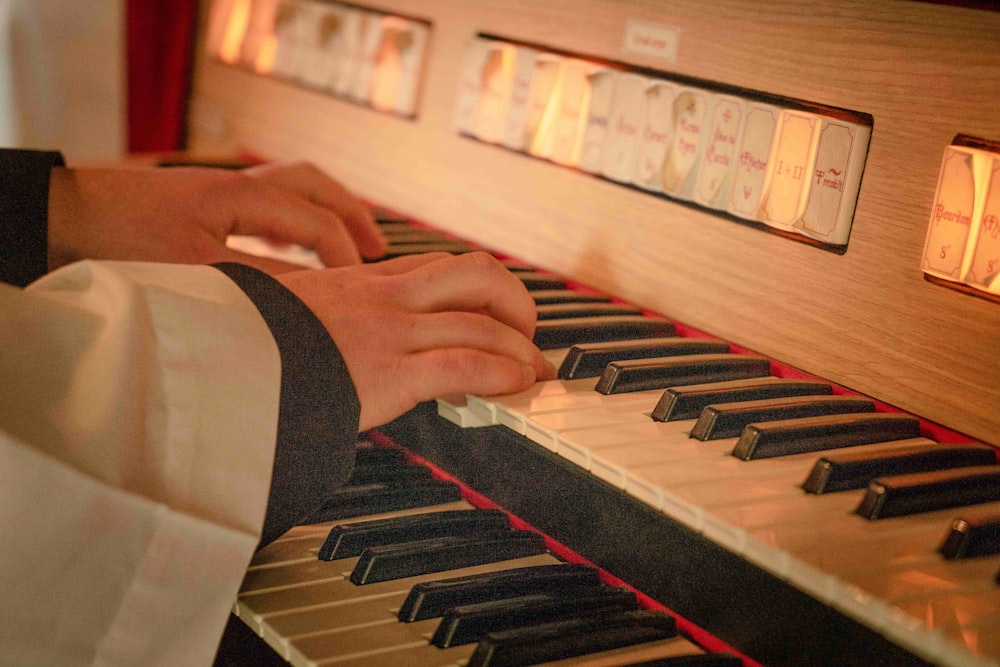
(62, 76)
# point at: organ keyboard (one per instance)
(886, 575)
(675, 445)
(432, 582)
(734, 546)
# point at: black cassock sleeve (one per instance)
(317, 431)
(319, 408)
(24, 209)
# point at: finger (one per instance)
(311, 183)
(273, 213)
(405, 264)
(472, 282)
(443, 372)
(473, 331)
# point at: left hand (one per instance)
(184, 215)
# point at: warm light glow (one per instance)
(581, 126)
(984, 259)
(690, 118)
(264, 62)
(790, 169)
(388, 66)
(573, 101)
(495, 92)
(236, 30)
(541, 143)
(963, 235)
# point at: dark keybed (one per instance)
(629, 384)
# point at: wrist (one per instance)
(64, 206)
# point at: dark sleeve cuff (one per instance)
(319, 408)
(24, 214)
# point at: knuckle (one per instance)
(465, 364)
(438, 256)
(388, 289)
(483, 261)
(230, 181)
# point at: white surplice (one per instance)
(138, 413)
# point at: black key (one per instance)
(397, 236)
(411, 559)
(929, 491)
(403, 250)
(432, 598)
(466, 624)
(678, 403)
(567, 639)
(765, 440)
(534, 281)
(562, 311)
(395, 227)
(727, 420)
(547, 296)
(620, 377)
(853, 470)
(388, 473)
(349, 540)
(378, 497)
(386, 218)
(214, 163)
(589, 359)
(517, 266)
(553, 334)
(694, 660)
(971, 537)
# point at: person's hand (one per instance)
(416, 328)
(184, 215)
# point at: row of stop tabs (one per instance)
(788, 164)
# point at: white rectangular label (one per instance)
(652, 39)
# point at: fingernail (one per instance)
(528, 374)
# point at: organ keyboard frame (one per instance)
(866, 320)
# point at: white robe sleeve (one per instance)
(138, 412)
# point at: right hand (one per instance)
(183, 215)
(417, 328)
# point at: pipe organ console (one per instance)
(762, 237)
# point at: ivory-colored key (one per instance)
(518, 418)
(488, 408)
(583, 446)
(545, 428)
(366, 640)
(323, 528)
(257, 608)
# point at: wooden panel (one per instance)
(866, 319)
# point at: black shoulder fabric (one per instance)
(319, 408)
(24, 210)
